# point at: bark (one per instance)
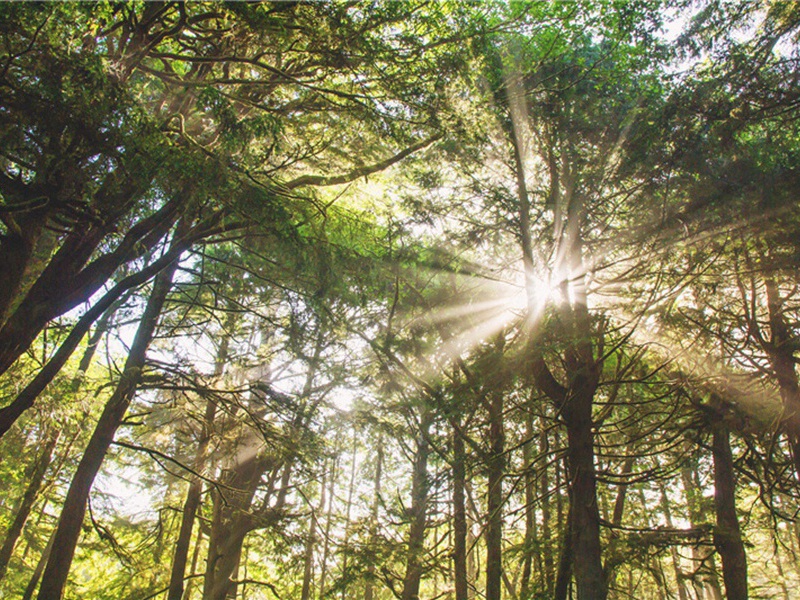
(622, 490)
(727, 535)
(565, 561)
(311, 540)
(530, 516)
(585, 537)
(376, 488)
(25, 399)
(549, 569)
(192, 501)
(328, 525)
(69, 527)
(30, 590)
(683, 593)
(234, 517)
(459, 517)
(35, 478)
(349, 508)
(616, 557)
(231, 522)
(190, 506)
(418, 513)
(187, 592)
(781, 357)
(704, 577)
(575, 399)
(16, 253)
(68, 281)
(494, 518)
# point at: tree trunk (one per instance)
(328, 525)
(494, 497)
(727, 535)
(779, 562)
(231, 522)
(35, 477)
(781, 357)
(311, 540)
(376, 488)
(418, 512)
(547, 547)
(69, 526)
(704, 576)
(565, 561)
(75, 280)
(189, 587)
(459, 516)
(25, 399)
(349, 508)
(16, 254)
(192, 502)
(530, 516)
(585, 537)
(30, 590)
(680, 581)
(190, 506)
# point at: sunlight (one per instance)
(488, 307)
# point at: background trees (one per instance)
(398, 300)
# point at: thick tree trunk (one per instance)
(418, 513)
(69, 527)
(231, 522)
(781, 357)
(494, 499)
(25, 399)
(459, 517)
(16, 253)
(590, 579)
(727, 535)
(35, 478)
(75, 281)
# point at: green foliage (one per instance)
(338, 308)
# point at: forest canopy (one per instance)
(414, 300)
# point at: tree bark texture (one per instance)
(193, 494)
(459, 517)
(69, 526)
(25, 399)
(727, 534)
(564, 575)
(585, 536)
(376, 501)
(494, 499)
(418, 513)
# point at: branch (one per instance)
(319, 180)
(155, 454)
(161, 591)
(271, 586)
